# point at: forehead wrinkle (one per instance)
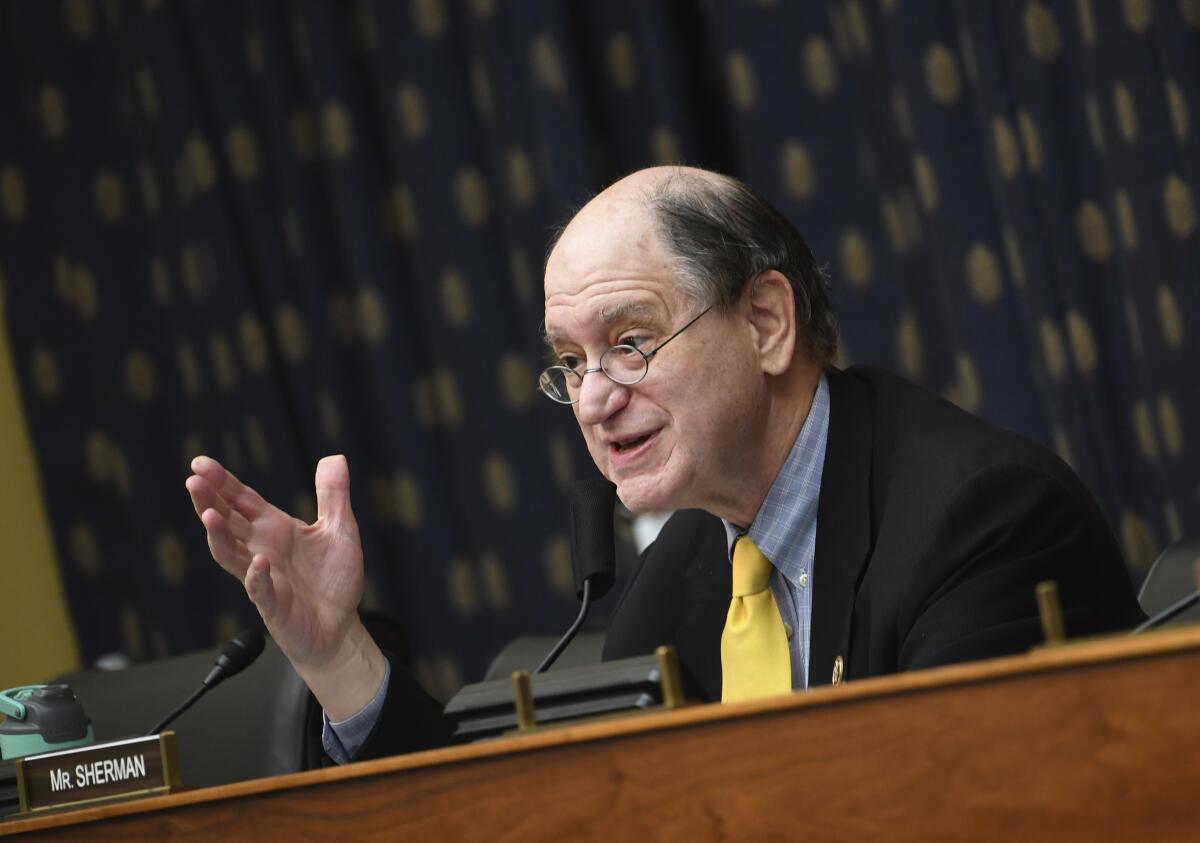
(609, 315)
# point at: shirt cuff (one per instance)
(343, 739)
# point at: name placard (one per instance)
(103, 771)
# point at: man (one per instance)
(861, 525)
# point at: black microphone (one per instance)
(593, 554)
(238, 654)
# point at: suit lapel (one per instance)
(843, 522)
(698, 637)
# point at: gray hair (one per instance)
(724, 236)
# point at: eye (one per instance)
(571, 361)
(638, 341)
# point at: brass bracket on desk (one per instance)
(523, 699)
(670, 679)
(1050, 609)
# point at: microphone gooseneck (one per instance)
(237, 655)
(553, 655)
(593, 553)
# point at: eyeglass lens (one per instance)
(624, 364)
(621, 363)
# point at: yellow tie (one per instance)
(755, 660)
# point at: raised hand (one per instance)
(306, 580)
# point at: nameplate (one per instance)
(100, 772)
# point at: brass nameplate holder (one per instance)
(98, 773)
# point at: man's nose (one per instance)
(599, 397)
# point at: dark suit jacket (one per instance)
(933, 529)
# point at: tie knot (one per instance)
(751, 570)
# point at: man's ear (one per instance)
(772, 314)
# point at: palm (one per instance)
(318, 580)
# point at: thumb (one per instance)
(333, 488)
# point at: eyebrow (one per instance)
(610, 316)
(641, 310)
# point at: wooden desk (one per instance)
(1096, 741)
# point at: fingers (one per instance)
(239, 496)
(259, 586)
(229, 552)
(333, 488)
(205, 497)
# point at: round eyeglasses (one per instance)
(623, 364)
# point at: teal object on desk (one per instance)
(42, 718)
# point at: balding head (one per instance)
(719, 234)
(708, 422)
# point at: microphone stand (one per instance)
(553, 655)
(238, 654)
(161, 724)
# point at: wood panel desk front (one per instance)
(1096, 741)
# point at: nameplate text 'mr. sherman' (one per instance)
(113, 770)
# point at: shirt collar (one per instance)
(784, 528)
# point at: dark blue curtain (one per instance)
(270, 231)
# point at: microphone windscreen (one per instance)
(593, 553)
(246, 646)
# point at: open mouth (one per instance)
(627, 445)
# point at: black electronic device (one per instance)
(42, 718)
(487, 709)
(10, 798)
(1170, 613)
(38, 718)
